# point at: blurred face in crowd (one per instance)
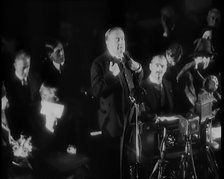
(170, 59)
(158, 67)
(58, 54)
(22, 66)
(115, 42)
(213, 17)
(48, 94)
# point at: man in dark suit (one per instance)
(159, 95)
(22, 89)
(114, 75)
(53, 66)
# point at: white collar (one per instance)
(57, 65)
(20, 77)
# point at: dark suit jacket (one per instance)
(20, 98)
(18, 94)
(51, 74)
(51, 147)
(152, 101)
(112, 92)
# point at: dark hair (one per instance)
(50, 45)
(176, 51)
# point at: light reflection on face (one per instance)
(22, 67)
(158, 67)
(4, 102)
(48, 94)
(58, 54)
(116, 43)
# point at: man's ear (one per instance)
(49, 54)
(150, 67)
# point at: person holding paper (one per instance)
(53, 136)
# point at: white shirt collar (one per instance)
(20, 77)
(57, 65)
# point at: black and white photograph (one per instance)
(111, 89)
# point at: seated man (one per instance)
(159, 96)
(158, 101)
(54, 137)
(22, 90)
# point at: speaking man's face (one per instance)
(116, 43)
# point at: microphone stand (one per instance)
(137, 138)
(161, 164)
(212, 164)
(184, 168)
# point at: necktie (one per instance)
(127, 77)
(61, 68)
(162, 95)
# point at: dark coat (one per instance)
(113, 93)
(152, 99)
(55, 77)
(20, 98)
(51, 158)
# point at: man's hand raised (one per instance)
(114, 68)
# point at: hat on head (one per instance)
(203, 48)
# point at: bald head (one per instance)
(22, 64)
(115, 41)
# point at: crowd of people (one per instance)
(37, 108)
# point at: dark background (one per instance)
(82, 25)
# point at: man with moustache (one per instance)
(159, 95)
(114, 76)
